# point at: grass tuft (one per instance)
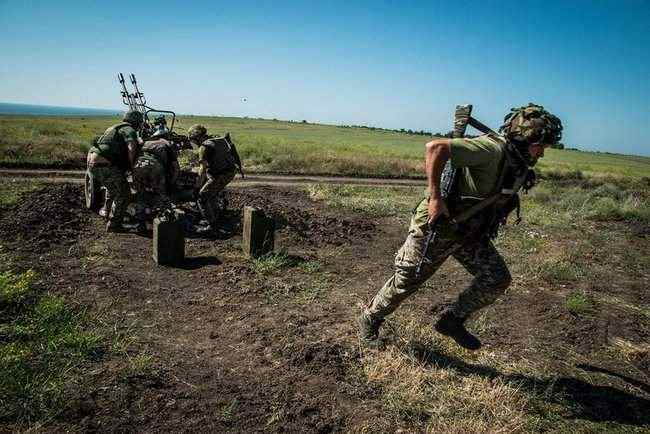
(272, 262)
(578, 303)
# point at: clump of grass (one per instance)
(43, 342)
(310, 266)
(15, 288)
(227, 411)
(272, 262)
(140, 364)
(560, 270)
(578, 303)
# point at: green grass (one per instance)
(272, 262)
(578, 303)
(42, 344)
(379, 202)
(12, 190)
(285, 147)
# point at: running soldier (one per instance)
(155, 174)
(484, 166)
(218, 160)
(113, 153)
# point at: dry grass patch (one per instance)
(631, 352)
(436, 397)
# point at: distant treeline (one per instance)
(401, 130)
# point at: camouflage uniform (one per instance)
(466, 244)
(107, 162)
(215, 152)
(151, 174)
(479, 162)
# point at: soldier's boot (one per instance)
(115, 227)
(369, 330)
(105, 211)
(452, 326)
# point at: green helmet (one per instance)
(531, 124)
(133, 117)
(197, 133)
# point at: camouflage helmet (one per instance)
(133, 117)
(531, 124)
(197, 132)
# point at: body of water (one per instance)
(49, 110)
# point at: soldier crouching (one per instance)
(484, 166)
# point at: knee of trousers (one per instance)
(497, 283)
(406, 280)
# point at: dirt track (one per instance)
(76, 176)
(236, 350)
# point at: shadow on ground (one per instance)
(580, 399)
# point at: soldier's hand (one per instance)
(437, 208)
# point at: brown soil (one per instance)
(296, 215)
(49, 216)
(233, 350)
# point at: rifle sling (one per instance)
(475, 209)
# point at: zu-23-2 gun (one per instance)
(135, 100)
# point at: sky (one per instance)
(392, 64)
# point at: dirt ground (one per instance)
(221, 346)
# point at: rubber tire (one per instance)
(92, 192)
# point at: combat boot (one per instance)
(115, 227)
(452, 326)
(369, 330)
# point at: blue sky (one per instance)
(389, 64)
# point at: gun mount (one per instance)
(135, 100)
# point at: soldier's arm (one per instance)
(133, 147)
(203, 167)
(174, 170)
(133, 143)
(437, 152)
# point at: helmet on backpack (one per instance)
(197, 133)
(134, 118)
(531, 124)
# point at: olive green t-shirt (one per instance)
(479, 162)
(112, 144)
(216, 152)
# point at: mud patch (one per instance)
(50, 216)
(297, 215)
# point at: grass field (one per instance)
(117, 351)
(284, 147)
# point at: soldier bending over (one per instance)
(108, 160)
(484, 166)
(155, 173)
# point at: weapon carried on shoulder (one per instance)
(235, 155)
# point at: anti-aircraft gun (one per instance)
(159, 127)
(150, 129)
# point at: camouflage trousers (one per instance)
(117, 190)
(479, 257)
(150, 183)
(209, 200)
